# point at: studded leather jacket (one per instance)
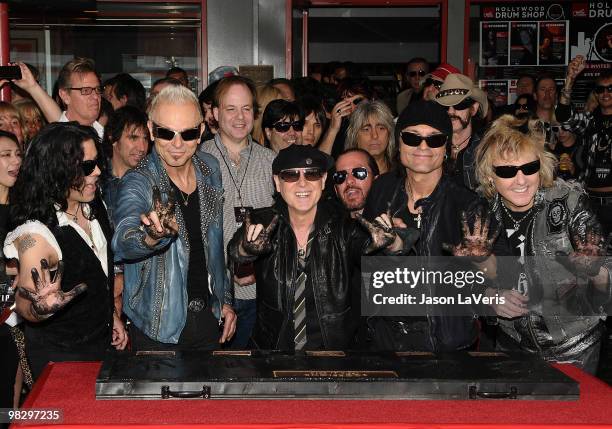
(155, 285)
(564, 315)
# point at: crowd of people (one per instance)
(238, 218)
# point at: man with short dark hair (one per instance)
(305, 252)
(545, 96)
(125, 90)
(179, 74)
(463, 100)
(355, 172)
(246, 170)
(416, 69)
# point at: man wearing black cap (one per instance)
(420, 195)
(304, 257)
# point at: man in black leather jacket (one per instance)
(421, 195)
(305, 258)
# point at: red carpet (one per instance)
(71, 388)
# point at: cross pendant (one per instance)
(418, 220)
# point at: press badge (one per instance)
(241, 212)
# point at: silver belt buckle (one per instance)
(196, 305)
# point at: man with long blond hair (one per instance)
(552, 304)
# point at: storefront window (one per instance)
(142, 39)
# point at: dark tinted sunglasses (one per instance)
(89, 166)
(293, 175)
(167, 134)
(414, 73)
(283, 127)
(599, 89)
(413, 140)
(360, 173)
(522, 106)
(436, 83)
(465, 104)
(509, 171)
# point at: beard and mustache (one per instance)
(464, 123)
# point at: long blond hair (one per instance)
(265, 94)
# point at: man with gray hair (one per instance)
(169, 235)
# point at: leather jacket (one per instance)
(441, 223)
(155, 285)
(552, 328)
(335, 255)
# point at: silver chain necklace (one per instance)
(517, 223)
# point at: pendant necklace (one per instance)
(517, 223)
(457, 147)
(73, 216)
(416, 218)
(185, 199)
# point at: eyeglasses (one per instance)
(90, 165)
(293, 175)
(168, 134)
(465, 104)
(360, 173)
(436, 83)
(414, 140)
(415, 73)
(599, 89)
(509, 171)
(522, 107)
(87, 90)
(283, 127)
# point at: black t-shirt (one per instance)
(201, 329)
(601, 171)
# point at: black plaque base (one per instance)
(331, 375)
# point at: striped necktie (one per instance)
(299, 312)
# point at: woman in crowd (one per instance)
(10, 162)
(33, 118)
(11, 121)
(553, 301)
(315, 120)
(62, 226)
(265, 94)
(282, 124)
(371, 129)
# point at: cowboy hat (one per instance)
(457, 88)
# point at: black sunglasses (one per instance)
(360, 173)
(293, 175)
(599, 89)
(465, 104)
(509, 171)
(90, 165)
(414, 140)
(436, 83)
(283, 127)
(167, 134)
(414, 73)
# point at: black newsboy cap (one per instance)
(301, 156)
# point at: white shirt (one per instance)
(96, 125)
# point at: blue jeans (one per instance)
(246, 310)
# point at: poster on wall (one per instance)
(553, 43)
(497, 91)
(494, 43)
(523, 43)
